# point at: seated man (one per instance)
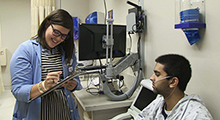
(171, 74)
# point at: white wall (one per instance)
(77, 8)
(159, 38)
(15, 17)
(15, 28)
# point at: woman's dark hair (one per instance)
(176, 66)
(63, 18)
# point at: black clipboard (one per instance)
(75, 74)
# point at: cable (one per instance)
(127, 94)
(133, 28)
(60, 4)
(129, 34)
(90, 89)
(138, 46)
(100, 62)
(105, 12)
(121, 85)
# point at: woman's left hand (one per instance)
(70, 85)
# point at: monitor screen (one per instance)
(145, 97)
(91, 39)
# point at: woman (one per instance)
(38, 64)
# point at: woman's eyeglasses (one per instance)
(57, 33)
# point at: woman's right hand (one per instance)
(51, 79)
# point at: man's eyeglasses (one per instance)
(57, 33)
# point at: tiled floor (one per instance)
(7, 102)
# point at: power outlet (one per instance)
(3, 56)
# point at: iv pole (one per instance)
(131, 59)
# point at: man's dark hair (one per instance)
(176, 66)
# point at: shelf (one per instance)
(190, 25)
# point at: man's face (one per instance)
(160, 83)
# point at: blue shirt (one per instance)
(25, 70)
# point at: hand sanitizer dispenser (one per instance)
(190, 17)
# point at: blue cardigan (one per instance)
(25, 70)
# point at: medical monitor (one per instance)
(91, 39)
(144, 98)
